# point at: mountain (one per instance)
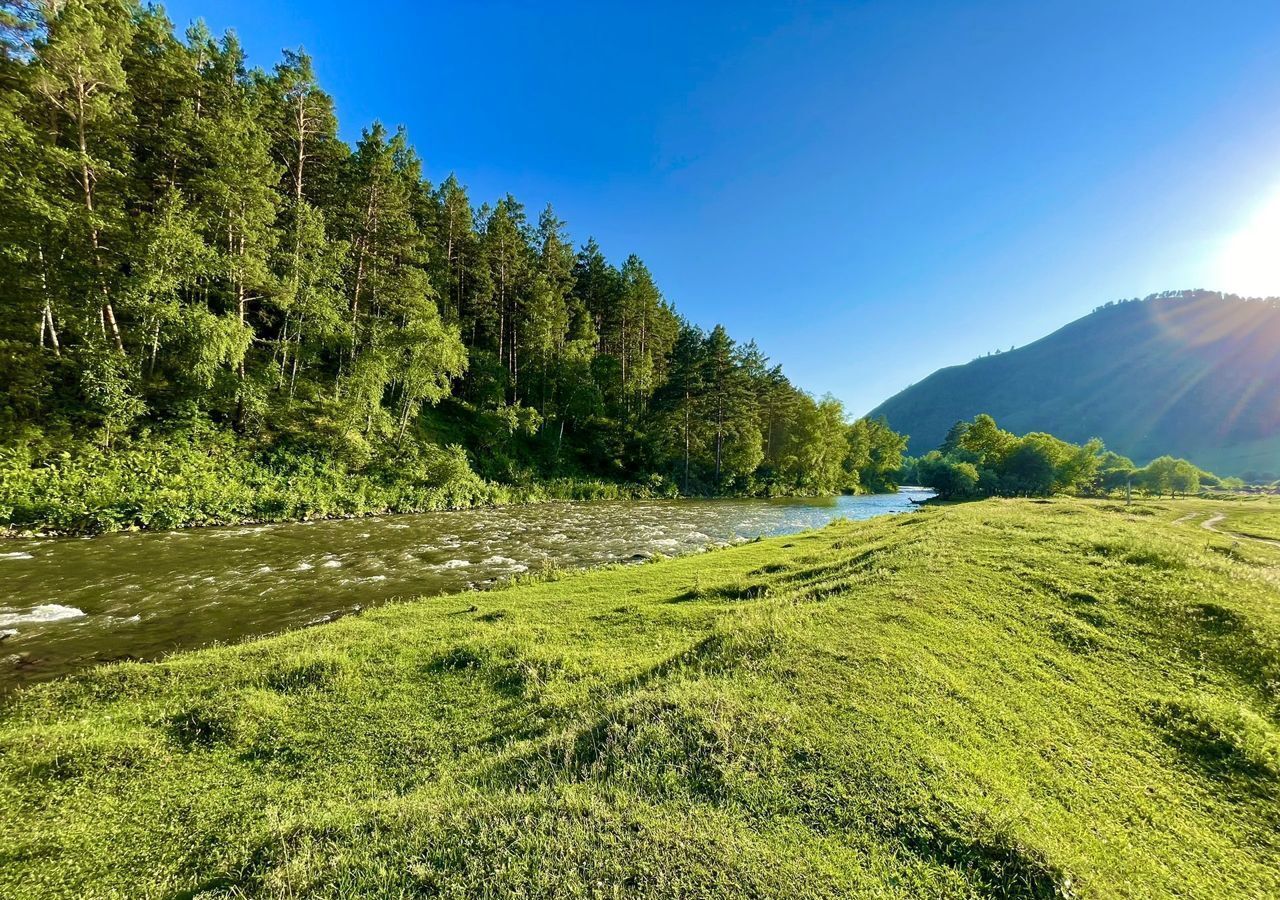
(1191, 373)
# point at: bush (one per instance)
(210, 477)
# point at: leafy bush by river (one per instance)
(210, 477)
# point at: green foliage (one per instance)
(188, 248)
(974, 701)
(952, 479)
(1167, 475)
(1115, 472)
(875, 455)
(210, 477)
(978, 459)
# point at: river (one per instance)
(68, 603)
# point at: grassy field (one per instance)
(1256, 519)
(1251, 518)
(1254, 523)
(996, 699)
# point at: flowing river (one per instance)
(67, 603)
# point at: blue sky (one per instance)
(871, 190)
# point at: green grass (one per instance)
(1255, 516)
(1253, 522)
(1006, 698)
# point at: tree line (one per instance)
(980, 459)
(186, 243)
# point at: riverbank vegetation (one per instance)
(1004, 698)
(193, 259)
(208, 477)
(980, 459)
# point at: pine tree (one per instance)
(458, 266)
(507, 251)
(303, 132)
(78, 83)
(684, 399)
(235, 194)
(732, 408)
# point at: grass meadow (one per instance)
(993, 699)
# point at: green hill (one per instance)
(1190, 373)
(999, 699)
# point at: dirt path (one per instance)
(1187, 518)
(1211, 524)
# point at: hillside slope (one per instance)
(1195, 374)
(1000, 699)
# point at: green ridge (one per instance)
(1193, 374)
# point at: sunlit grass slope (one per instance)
(1006, 698)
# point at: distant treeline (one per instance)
(979, 459)
(188, 252)
(1273, 302)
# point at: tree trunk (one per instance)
(719, 438)
(46, 317)
(108, 314)
(280, 356)
(242, 301)
(515, 364)
(405, 409)
(155, 344)
(363, 243)
(686, 443)
(502, 307)
(302, 148)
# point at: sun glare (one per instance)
(1249, 263)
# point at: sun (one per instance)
(1249, 262)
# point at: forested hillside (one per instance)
(199, 277)
(1191, 373)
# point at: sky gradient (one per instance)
(870, 190)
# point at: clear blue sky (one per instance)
(871, 190)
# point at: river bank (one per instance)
(163, 487)
(978, 699)
(494, 495)
(217, 484)
(560, 490)
(75, 602)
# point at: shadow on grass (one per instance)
(1227, 742)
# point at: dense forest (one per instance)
(216, 309)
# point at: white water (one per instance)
(75, 602)
(45, 612)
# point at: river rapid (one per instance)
(68, 603)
